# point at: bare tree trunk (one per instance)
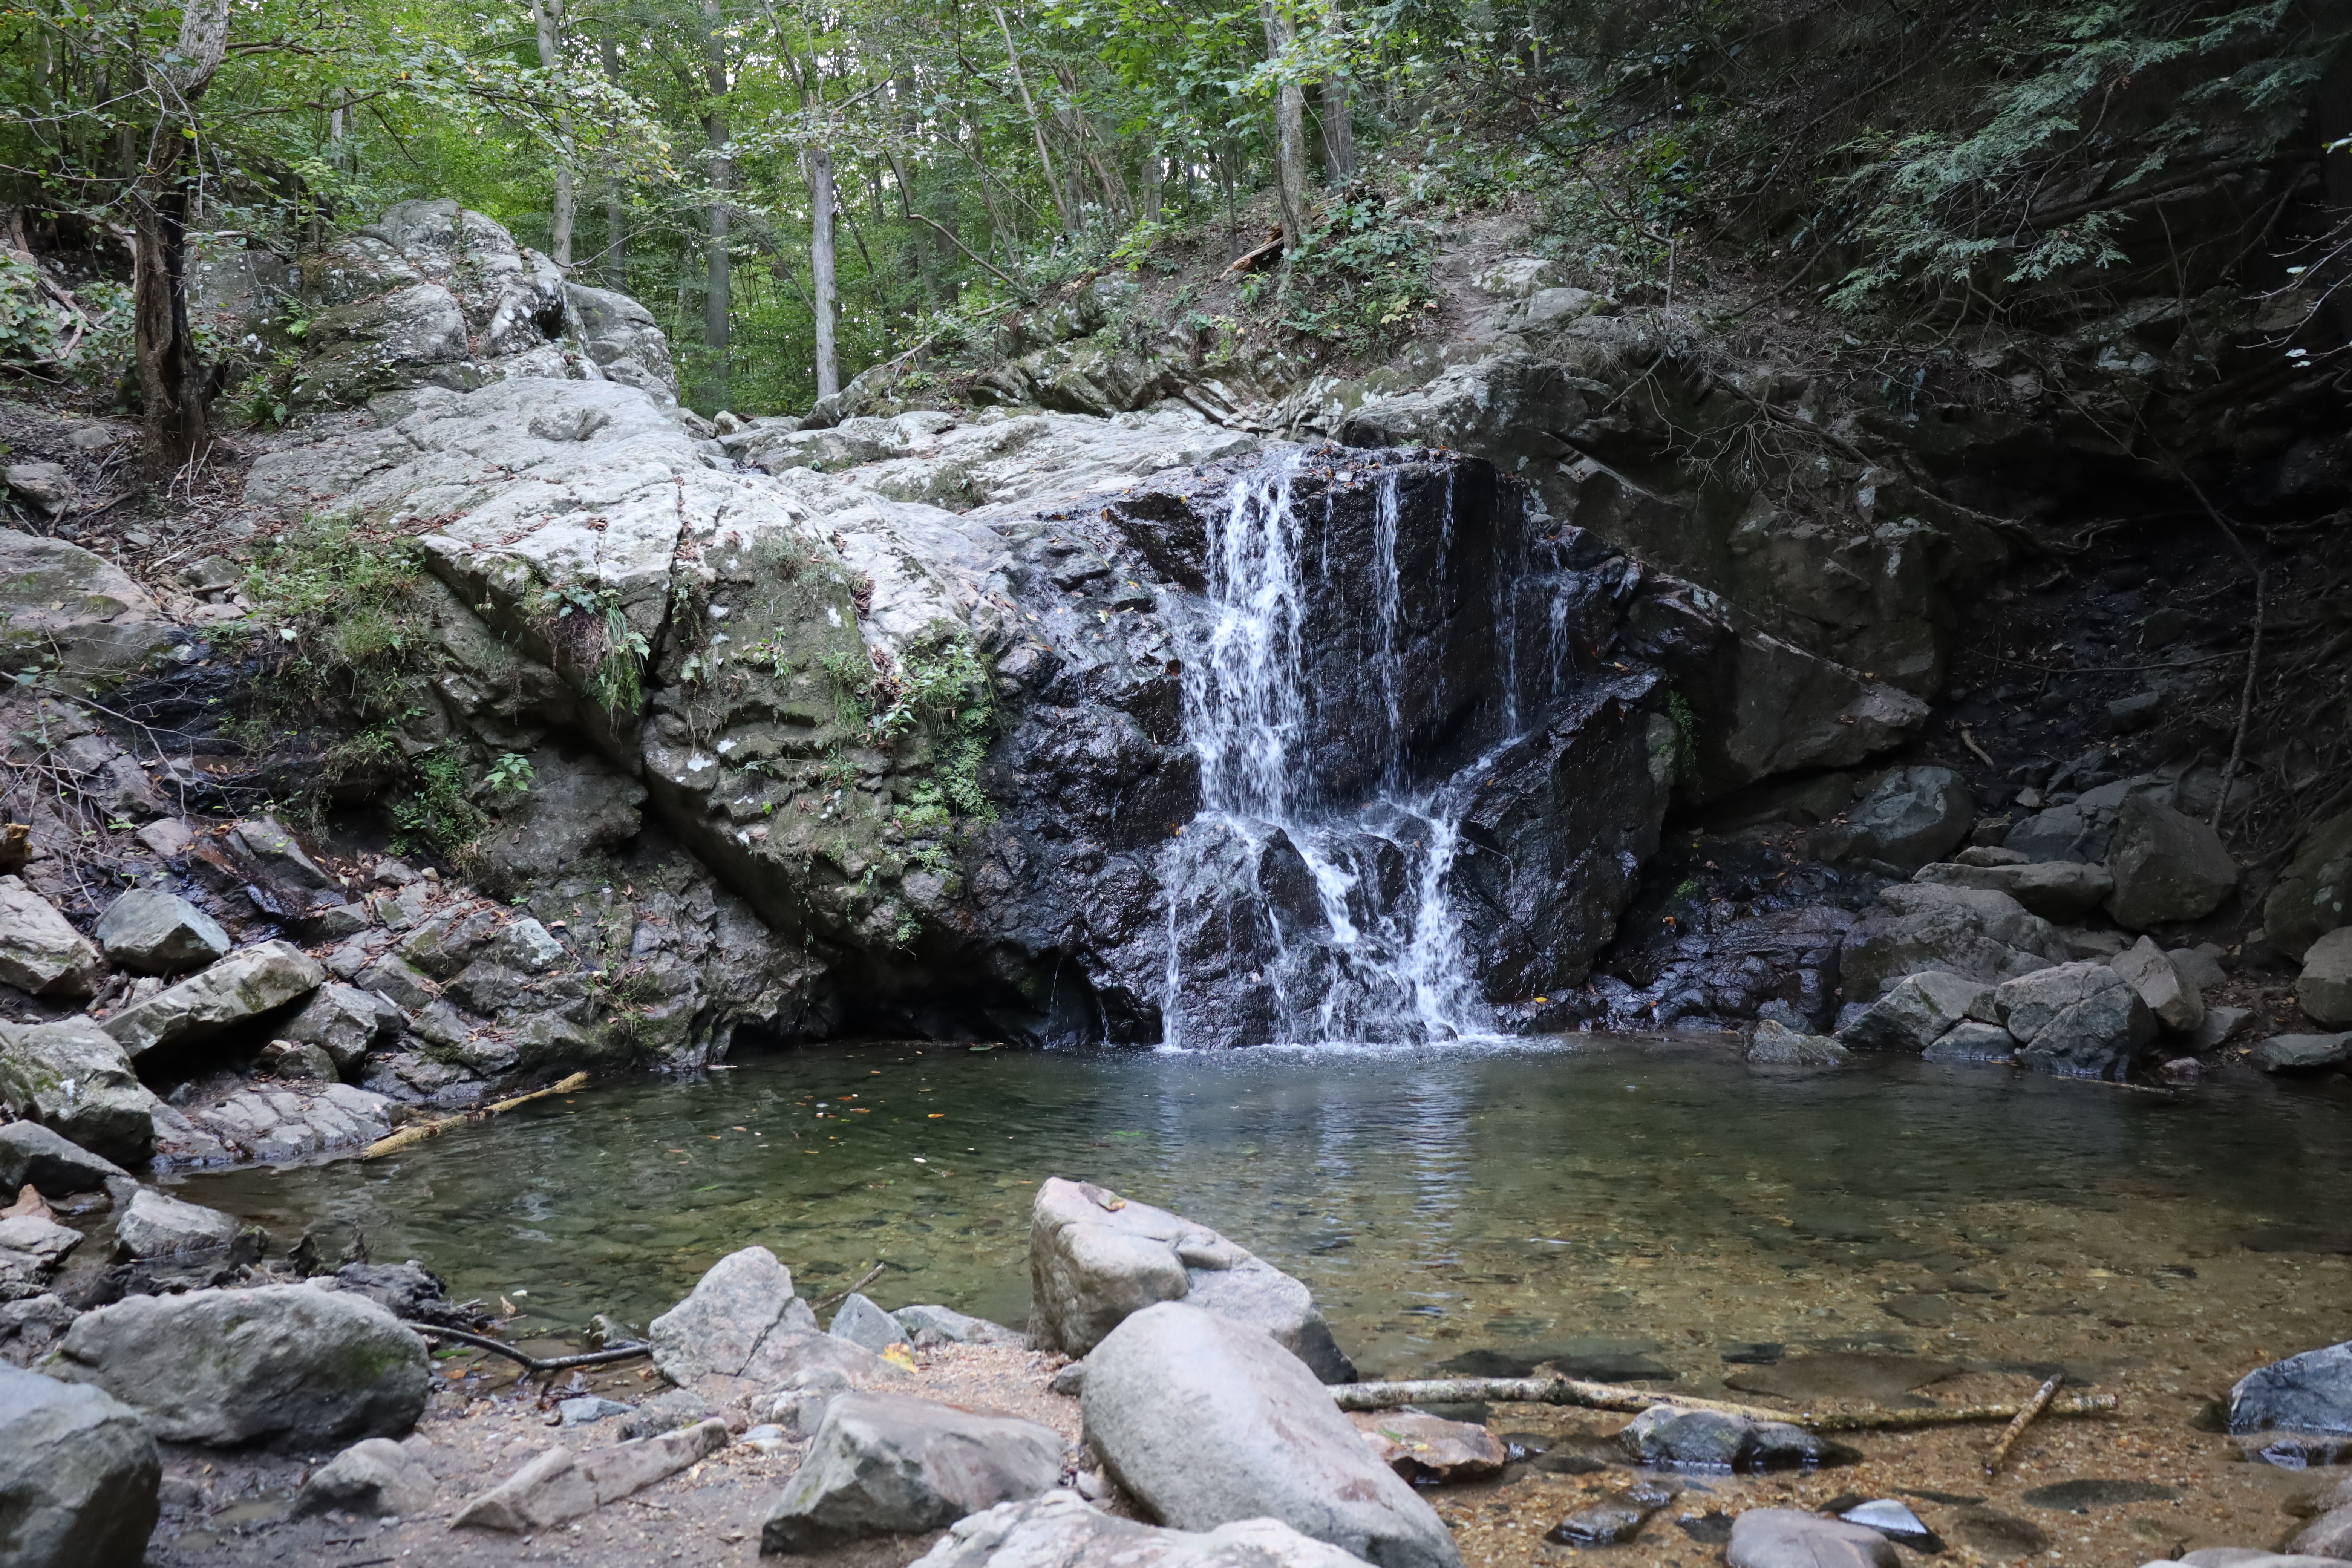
(617, 208)
(1289, 127)
(717, 299)
(548, 15)
(823, 201)
(1063, 206)
(1154, 171)
(163, 343)
(1339, 134)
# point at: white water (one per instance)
(1385, 969)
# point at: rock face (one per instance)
(2312, 894)
(885, 1464)
(2167, 866)
(2323, 990)
(152, 933)
(1061, 1528)
(77, 1475)
(2306, 1392)
(74, 1079)
(287, 1364)
(39, 951)
(59, 600)
(1972, 932)
(1206, 1422)
(1096, 1258)
(246, 985)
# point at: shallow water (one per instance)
(1635, 1206)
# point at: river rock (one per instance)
(888, 1464)
(56, 1166)
(2302, 1053)
(861, 1322)
(1061, 1527)
(2313, 893)
(2168, 994)
(74, 1079)
(39, 951)
(1711, 1440)
(374, 1477)
(2222, 1024)
(932, 1324)
(1205, 1421)
(155, 1225)
(2060, 890)
(2306, 1392)
(344, 1022)
(1788, 1538)
(246, 984)
(1429, 1448)
(291, 1365)
(32, 1248)
(59, 599)
(2243, 1557)
(1973, 933)
(561, 1485)
(1616, 1517)
(1972, 1042)
(2082, 1019)
(742, 1330)
(77, 1475)
(2329, 1535)
(1918, 1011)
(1096, 1257)
(2323, 991)
(2167, 866)
(1912, 816)
(1775, 1044)
(150, 931)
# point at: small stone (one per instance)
(1070, 1381)
(1710, 1440)
(159, 1226)
(296, 1060)
(2200, 965)
(590, 1407)
(152, 933)
(1895, 1522)
(932, 1324)
(1614, 1519)
(1775, 1044)
(1427, 1449)
(861, 1322)
(168, 837)
(2302, 1053)
(374, 1478)
(2323, 991)
(336, 921)
(47, 486)
(2175, 1002)
(888, 1464)
(39, 950)
(2222, 1024)
(1785, 1537)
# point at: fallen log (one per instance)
(532, 1366)
(1611, 1396)
(416, 1133)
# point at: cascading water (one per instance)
(1311, 895)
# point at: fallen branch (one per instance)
(863, 1280)
(1609, 1396)
(531, 1364)
(2245, 706)
(2033, 1407)
(1249, 261)
(419, 1131)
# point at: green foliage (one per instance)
(591, 623)
(1361, 277)
(510, 776)
(440, 816)
(38, 333)
(1686, 722)
(342, 605)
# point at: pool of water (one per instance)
(1622, 1202)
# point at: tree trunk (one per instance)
(822, 202)
(1339, 134)
(164, 344)
(617, 206)
(1154, 171)
(717, 299)
(1063, 206)
(1289, 127)
(548, 15)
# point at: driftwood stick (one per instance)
(1951, 1414)
(531, 1364)
(416, 1133)
(863, 1280)
(1528, 1391)
(2033, 1407)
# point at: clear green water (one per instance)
(1591, 1195)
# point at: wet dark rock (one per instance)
(1785, 1537)
(2302, 1053)
(1972, 932)
(1615, 1518)
(1710, 1529)
(1972, 1042)
(406, 1290)
(1709, 1440)
(77, 1475)
(2060, 890)
(2082, 1019)
(2306, 1392)
(884, 1464)
(1593, 1356)
(1762, 1352)
(2313, 894)
(2083, 1495)
(2167, 866)
(1918, 1010)
(1910, 817)
(1776, 1045)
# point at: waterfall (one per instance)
(1366, 946)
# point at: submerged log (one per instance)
(416, 1133)
(1609, 1396)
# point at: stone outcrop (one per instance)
(1096, 1258)
(75, 1078)
(245, 986)
(64, 608)
(1974, 932)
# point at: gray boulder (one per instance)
(39, 950)
(1911, 816)
(2302, 1053)
(31, 1251)
(159, 1226)
(624, 341)
(375, 1477)
(2311, 894)
(561, 1485)
(152, 932)
(2306, 1392)
(292, 1365)
(861, 1322)
(246, 984)
(1789, 1538)
(1063, 1528)
(56, 1166)
(888, 1464)
(59, 600)
(741, 1330)
(2220, 1025)
(2323, 990)
(932, 1324)
(2243, 1557)
(1095, 1257)
(1918, 1011)
(1206, 1421)
(77, 1475)
(344, 1022)
(74, 1079)
(1711, 1440)
(2060, 890)
(2167, 866)
(1972, 1042)
(1774, 1043)
(1973, 933)
(2328, 1536)
(2168, 994)
(2081, 1019)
